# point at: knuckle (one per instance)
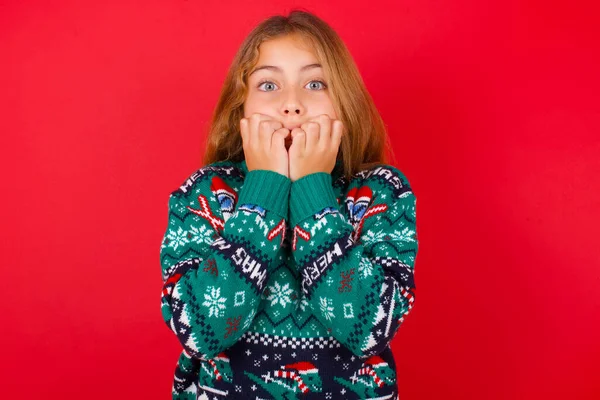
(312, 126)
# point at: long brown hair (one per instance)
(365, 143)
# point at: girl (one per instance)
(288, 260)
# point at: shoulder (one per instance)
(224, 175)
(383, 178)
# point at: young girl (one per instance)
(288, 258)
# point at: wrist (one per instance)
(309, 195)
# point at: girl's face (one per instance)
(288, 84)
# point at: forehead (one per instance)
(286, 51)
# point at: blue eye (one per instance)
(263, 82)
(321, 82)
(271, 84)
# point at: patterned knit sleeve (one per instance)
(216, 255)
(356, 271)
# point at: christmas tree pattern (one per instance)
(290, 381)
(186, 376)
(214, 370)
(374, 374)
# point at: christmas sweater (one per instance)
(288, 290)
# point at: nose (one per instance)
(292, 104)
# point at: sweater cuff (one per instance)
(267, 189)
(309, 195)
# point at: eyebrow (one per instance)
(277, 69)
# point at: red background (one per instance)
(493, 109)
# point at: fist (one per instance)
(315, 145)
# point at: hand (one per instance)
(314, 146)
(264, 143)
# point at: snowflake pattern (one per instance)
(374, 236)
(406, 235)
(365, 268)
(280, 294)
(177, 238)
(202, 235)
(214, 302)
(326, 308)
(303, 304)
(382, 239)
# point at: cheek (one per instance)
(332, 111)
(326, 107)
(253, 104)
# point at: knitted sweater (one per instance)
(288, 290)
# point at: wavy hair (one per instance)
(365, 143)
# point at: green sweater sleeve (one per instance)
(216, 254)
(357, 275)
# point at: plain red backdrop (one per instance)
(493, 109)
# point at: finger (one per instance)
(311, 130)
(244, 130)
(267, 130)
(254, 131)
(337, 132)
(325, 134)
(279, 136)
(298, 140)
(253, 122)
